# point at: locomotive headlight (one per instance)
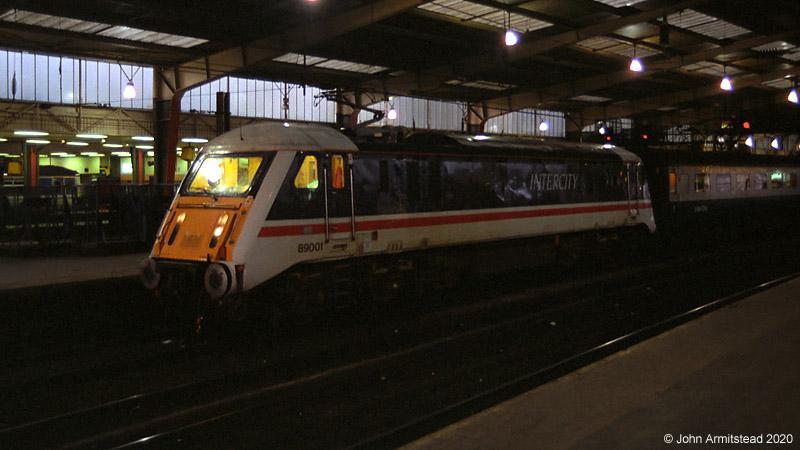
(178, 222)
(218, 229)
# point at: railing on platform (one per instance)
(82, 216)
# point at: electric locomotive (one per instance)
(269, 198)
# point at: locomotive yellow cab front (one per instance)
(201, 229)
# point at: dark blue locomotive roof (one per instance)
(434, 143)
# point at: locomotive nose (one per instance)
(217, 280)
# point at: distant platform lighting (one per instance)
(776, 144)
(749, 141)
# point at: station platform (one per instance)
(34, 272)
(729, 379)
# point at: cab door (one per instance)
(339, 202)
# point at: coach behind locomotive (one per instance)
(269, 196)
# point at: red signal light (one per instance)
(746, 125)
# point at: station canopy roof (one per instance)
(572, 55)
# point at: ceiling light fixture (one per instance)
(636, 65)
(544, 126)
(792, 97)
(726, 84)
(391, 113)
(129, 92)
(510, 36)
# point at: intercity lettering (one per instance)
(553, 181)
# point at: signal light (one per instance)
(746, 125)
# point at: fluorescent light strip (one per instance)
(30, 133)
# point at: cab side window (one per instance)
(300, 196)
(308, 175)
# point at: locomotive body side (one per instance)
(422, 195)
(270, 196)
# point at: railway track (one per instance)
(450, 352)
